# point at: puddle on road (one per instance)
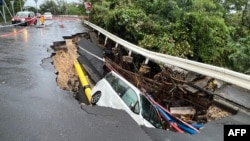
(46, 64)
(16, 77)
(12, 61)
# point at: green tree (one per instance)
(239, 59)
(62, 7)
(8, 11)
(49, 6)
(73, 9)
(201, 30)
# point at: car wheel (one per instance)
(95, 98)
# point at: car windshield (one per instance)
(22, 14)
(119, 86)
(131, 100)
(150, 113)
(127, 94)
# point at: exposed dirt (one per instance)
(216, 113)
(63, 59)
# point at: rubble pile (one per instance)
(186, 95)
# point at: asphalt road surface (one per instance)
(34, 108)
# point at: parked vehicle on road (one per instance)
(116, 92)
(24, 18)
(48, 16)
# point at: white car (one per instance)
(48, 16)
(116, 92)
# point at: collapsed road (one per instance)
(90, 53)
(34, 108)
(36, 104)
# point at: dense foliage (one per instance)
(210, 31)
(61, 7)
(6, 9)
(56, 7)
(216, 32)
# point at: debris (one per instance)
(144, 69)
(216, 113)
(61, 25)
(182, 110)
(171, 87)
(183, 97)
(127, 59)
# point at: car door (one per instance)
(117, 94)
(150, 113)
(131, 99)
(31, 18)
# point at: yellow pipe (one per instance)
(83, 80)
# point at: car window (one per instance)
(127, 94)
(131, 100)
(22, 14)
(32, 14)
(118, 85)
(146, 106)
(110, 78)
(150, 113)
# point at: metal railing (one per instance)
(226, 75)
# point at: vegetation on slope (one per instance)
(209, 31)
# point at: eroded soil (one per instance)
(216, 113)
(63, 59)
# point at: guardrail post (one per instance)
(146, 61)
(98, 35)
(116, 45)
(105, 42)
(129, 53)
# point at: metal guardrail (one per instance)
(226, 75)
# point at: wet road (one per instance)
(34, 108)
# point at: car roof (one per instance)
(24, 13)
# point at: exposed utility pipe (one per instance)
(83, 80)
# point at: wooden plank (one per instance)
(182, 110)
